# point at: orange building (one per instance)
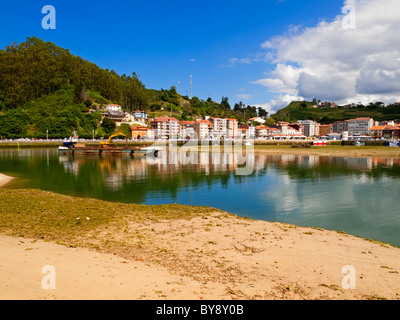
(139, 132)
(325, 129)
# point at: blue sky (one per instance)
(218, 42)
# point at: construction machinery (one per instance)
(108, 142)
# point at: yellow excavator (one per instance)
(108, 142)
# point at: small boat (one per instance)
(70, 142)
(319, 143)
(359, 143)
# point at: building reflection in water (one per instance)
(117, 169)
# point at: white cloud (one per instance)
(243, 96)
(278, 102)
(234, 61)
(333, 63)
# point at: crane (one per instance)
(108, 142)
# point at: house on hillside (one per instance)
(256, 119)
(138, 114)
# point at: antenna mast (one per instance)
(190, 86)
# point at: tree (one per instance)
(225, 104)
(125, 129)
(108, 125)
(303, 105)
(262, 112)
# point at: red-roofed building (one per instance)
(203, 128)
(391, 132)
(165, 127)
(186, 129)
(377, 131)
(263, 131)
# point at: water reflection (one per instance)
(356, 195)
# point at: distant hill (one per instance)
(44, 89)
(303, 110)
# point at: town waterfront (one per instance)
(353, 195)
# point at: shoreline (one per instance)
(179, 252)
(4, 179)
(272, 148)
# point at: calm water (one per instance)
(358, 196)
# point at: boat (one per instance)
(319, 143)
(71, 146)
(359, 143)
(70, 142)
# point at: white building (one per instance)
(165, 127)
(310, 127)
(247, 131)
(203, 129)
(113, 107)
(360, 126)
(256, 119)
(220, 129)
(186, 129)
(232, 128)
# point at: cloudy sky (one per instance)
(352, 58)
(261, 52)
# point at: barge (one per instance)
(72, 146)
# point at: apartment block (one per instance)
(325, 129)
(219, 127)
(165, 127)
(232, 127)
(203, 128)
(310, 127)
(262, 131)
(360, 126)
(340, 126)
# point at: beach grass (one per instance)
(54, 217)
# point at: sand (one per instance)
(353, 152)
(222, 257)
(4, 179)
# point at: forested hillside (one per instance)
(46, 89)
(303, 110)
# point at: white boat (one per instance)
(319, 143)
(70, 142)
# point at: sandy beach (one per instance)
(332, 151)
(216, 257)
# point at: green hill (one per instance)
(44, 89)
(300, 110)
